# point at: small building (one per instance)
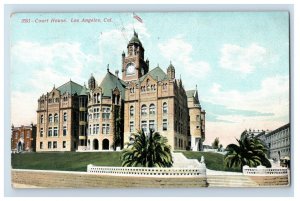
(23, 138)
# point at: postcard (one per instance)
(150, 99)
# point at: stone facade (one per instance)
(197, 121)
(23, 138)
(102, 116)
(58, 119)
(279, 142)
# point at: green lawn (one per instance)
(76, 161)
(213, 161)
(70, 161)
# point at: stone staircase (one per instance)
(180, 161)
(230, 181)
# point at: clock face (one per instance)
(130, 69)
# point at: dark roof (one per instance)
(84, 91)
(157, 74)
(70, 87)
(190, 93)
(110, 82)
(135, 40)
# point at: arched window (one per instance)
(95, 98)
(50, 118)
(98, 98)
(105, 144)
(152, 109)
(56, 117)
(65, 116)
(42, 119)
(144, 110)
(131, 111)
(165, 108)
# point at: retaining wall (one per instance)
(66, 179)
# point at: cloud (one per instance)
(180, 53)
(244, 59)
(44, 65)
(270, 101)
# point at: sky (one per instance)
(239, 61)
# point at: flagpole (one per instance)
(132, 21)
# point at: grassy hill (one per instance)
(70, 161)
(76, 161)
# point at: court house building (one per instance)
(102, 116)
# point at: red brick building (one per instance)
(23, 138)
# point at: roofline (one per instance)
(279, 129)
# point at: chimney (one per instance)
(117, 73)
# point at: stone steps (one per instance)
(230, 181)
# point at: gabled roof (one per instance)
(157, 74)
(110, 82)
(70, 87)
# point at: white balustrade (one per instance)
(263, 171)
(147, 172)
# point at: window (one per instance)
(50, 118)
(64, 131)
(50, 132)
(131, 111)
(16, 136)
(97, 128)
(96, 113)
(198, 118)
(65, 117)
(164, 86)
(131, 126)
(98, 98)
(144, 126)
(106, 113)
(94, 129)
(28, 134)
(42, 119)
(54, 144)
(152, 109)
(49, 145)
(165, 108)
(42, 132)
(55, 132)
(41, 145)
(105, 128)
(90, 129)
(22, 135)
(64, 144)
(95, 98)
(55, 118)
(152, 125)
(165, 124)
(144, 110)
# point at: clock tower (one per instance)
(133, 65)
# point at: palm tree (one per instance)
(249, 151)
(147, 151)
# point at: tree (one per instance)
(147, 151)
(215, 144)
(249, 151)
